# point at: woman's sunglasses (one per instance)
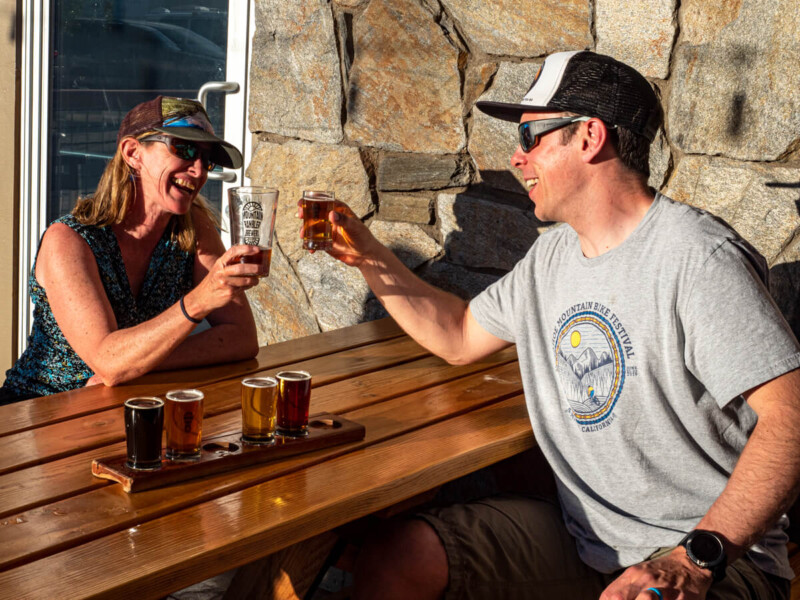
(531, 131)
(184, 149)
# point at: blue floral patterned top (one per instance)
(49, 364)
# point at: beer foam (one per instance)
(260, 382)
(294, 375)
(184, 395)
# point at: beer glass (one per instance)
(294, 397)
(252, 217)
(144, 421)
(183, 416)
(258, 410)
(316, 226)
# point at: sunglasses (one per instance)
(531, 131)
(184, 149)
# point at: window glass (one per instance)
(109, 55)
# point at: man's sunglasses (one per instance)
(531, 131)
(184, 149)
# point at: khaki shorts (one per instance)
(510, 546)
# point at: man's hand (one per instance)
(353, 243)
(673, 574)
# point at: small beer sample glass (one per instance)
(259, 396)
(183, 416)
(294, 397)
(252, 218)
(144, 421)
(316, 226)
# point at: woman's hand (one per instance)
(227, 279)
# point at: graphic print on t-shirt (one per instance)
(591, 347)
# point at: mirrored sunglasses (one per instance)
(184, 149)
(531, 131)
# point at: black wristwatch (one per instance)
(705, 549)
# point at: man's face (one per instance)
(547, 170)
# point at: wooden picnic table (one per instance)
(68, 534)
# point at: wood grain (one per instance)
(151, 559)
(25, 489)
(77, 519)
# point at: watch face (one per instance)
(706, 547)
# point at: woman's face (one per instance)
(168, 180)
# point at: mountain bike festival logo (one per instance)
(591, 348)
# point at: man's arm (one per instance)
(762, 487)
(439, 321)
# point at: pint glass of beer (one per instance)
(252, 217)
(294, 397)
(316, 226)
(183, 416)
(258, 410)
(144, 421)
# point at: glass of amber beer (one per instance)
(258, 410)
(144, 421)
(316, 225)
(183, 416)
(294, 397)
(252, 217)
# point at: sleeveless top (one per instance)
(49, 364)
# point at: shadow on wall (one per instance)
(784, 278)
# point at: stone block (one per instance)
(295, 80)
(736, 92)
(409, 242)
(279, 304)
(524, 29)
(640, 34)
(457, 280)
(410, 208)
(404, 92)
(483, 234)
(337, 293)
(420, 171)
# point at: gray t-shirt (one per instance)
(633, 365)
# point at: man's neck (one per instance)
(613, 211)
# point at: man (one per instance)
(661, 379)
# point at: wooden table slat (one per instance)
(68, 522)
(66, 405)
(149, 560)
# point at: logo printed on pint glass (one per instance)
(591, 348)
(252, 215)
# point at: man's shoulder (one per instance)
(693, 226)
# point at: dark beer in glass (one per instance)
(144, 421)
(294, 397)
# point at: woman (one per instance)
(120, 283)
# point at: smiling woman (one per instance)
(119, 284)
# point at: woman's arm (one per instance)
(67, 270)
(232, 335)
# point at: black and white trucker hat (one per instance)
(589, 84)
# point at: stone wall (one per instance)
(374, 99)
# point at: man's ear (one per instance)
(130, 148)
(594, 136)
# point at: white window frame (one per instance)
(34, 114)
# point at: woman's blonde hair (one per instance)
(114, 197)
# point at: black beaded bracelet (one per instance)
(186, 314)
